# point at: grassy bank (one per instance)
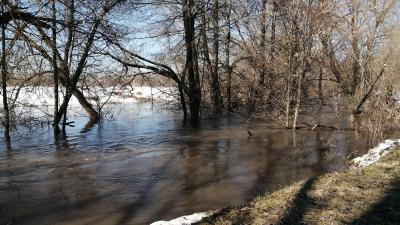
(355, 196)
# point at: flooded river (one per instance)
(146, 165)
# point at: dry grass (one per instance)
(364, 196)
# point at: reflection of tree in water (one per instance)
(322, 149)
(224, 163)
(69, 185)
(289, 154)
(131, 210)
(76, 180)
(11, 203)
(264, 174)
(205, 168)
(53, 187)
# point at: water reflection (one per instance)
(146, 166)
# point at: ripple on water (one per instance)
(140, 168)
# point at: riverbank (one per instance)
(362, 195)
(366, 193)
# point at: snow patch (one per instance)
(184, 220)
(38, 101)
(376, 153)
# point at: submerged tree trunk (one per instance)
(183, 101)
(7, 123)
(65, 112)
(63, 108)
(71, 83)
(92, 113)
(191, 60)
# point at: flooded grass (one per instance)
(360, 196)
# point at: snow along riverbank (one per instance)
(184, 220)
(376, 153)
(368, 159)
(38, 101)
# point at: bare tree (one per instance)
(55, 67)
(217, 99)
(189, 14)
(7, 124)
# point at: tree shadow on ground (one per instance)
(300, 205)
(386, 211)
(294, 215)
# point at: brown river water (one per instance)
(146, 165)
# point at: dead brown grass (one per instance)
(363, 196)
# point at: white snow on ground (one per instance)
(184, 220)
(396, 96)
(376, 153)
(44, 95)
(39, 101)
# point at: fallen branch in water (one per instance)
(318, 125)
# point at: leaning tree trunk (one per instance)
(357, 110)
(71, 84)
(92, 113)
(298, 101)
